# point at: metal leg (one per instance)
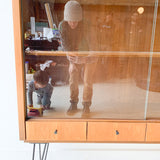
(33, 151)
(39, 151)
(45, 151)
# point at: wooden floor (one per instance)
(120, 99)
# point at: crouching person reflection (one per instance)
(73, 33)
(44, 90)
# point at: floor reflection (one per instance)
(111, 100)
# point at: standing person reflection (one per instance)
(74, 34)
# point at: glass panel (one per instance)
(153, 111)
(87, 58)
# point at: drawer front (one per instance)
(56, 131)
(153, 132)
(116, 132)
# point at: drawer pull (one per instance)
(117, 133)
(56, 131)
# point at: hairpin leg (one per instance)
(45, 151)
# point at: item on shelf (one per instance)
(35, 111)
(56, 33)
(41, 45)
(33, 28)
(26, 66)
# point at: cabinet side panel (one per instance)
(16, 5)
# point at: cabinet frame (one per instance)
(18, 43)
(17, 24)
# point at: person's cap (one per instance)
(72, 11)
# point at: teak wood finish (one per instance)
(16, 5)
(116, 132)
(56, 131)
(153, 132)
(74, 130)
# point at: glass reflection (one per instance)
(95, 54)
(73, 35)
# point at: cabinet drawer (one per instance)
(153, 132)
(56, 131)
(116, 132)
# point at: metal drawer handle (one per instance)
(56, 131)
(117, 133)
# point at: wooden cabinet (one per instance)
(119, 37)
(56, 131)
(116, 132)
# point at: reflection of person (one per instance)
(40, 85)
(73, 33)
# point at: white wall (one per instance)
(12, 148)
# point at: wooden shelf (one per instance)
(111, 2)
(93, 53)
